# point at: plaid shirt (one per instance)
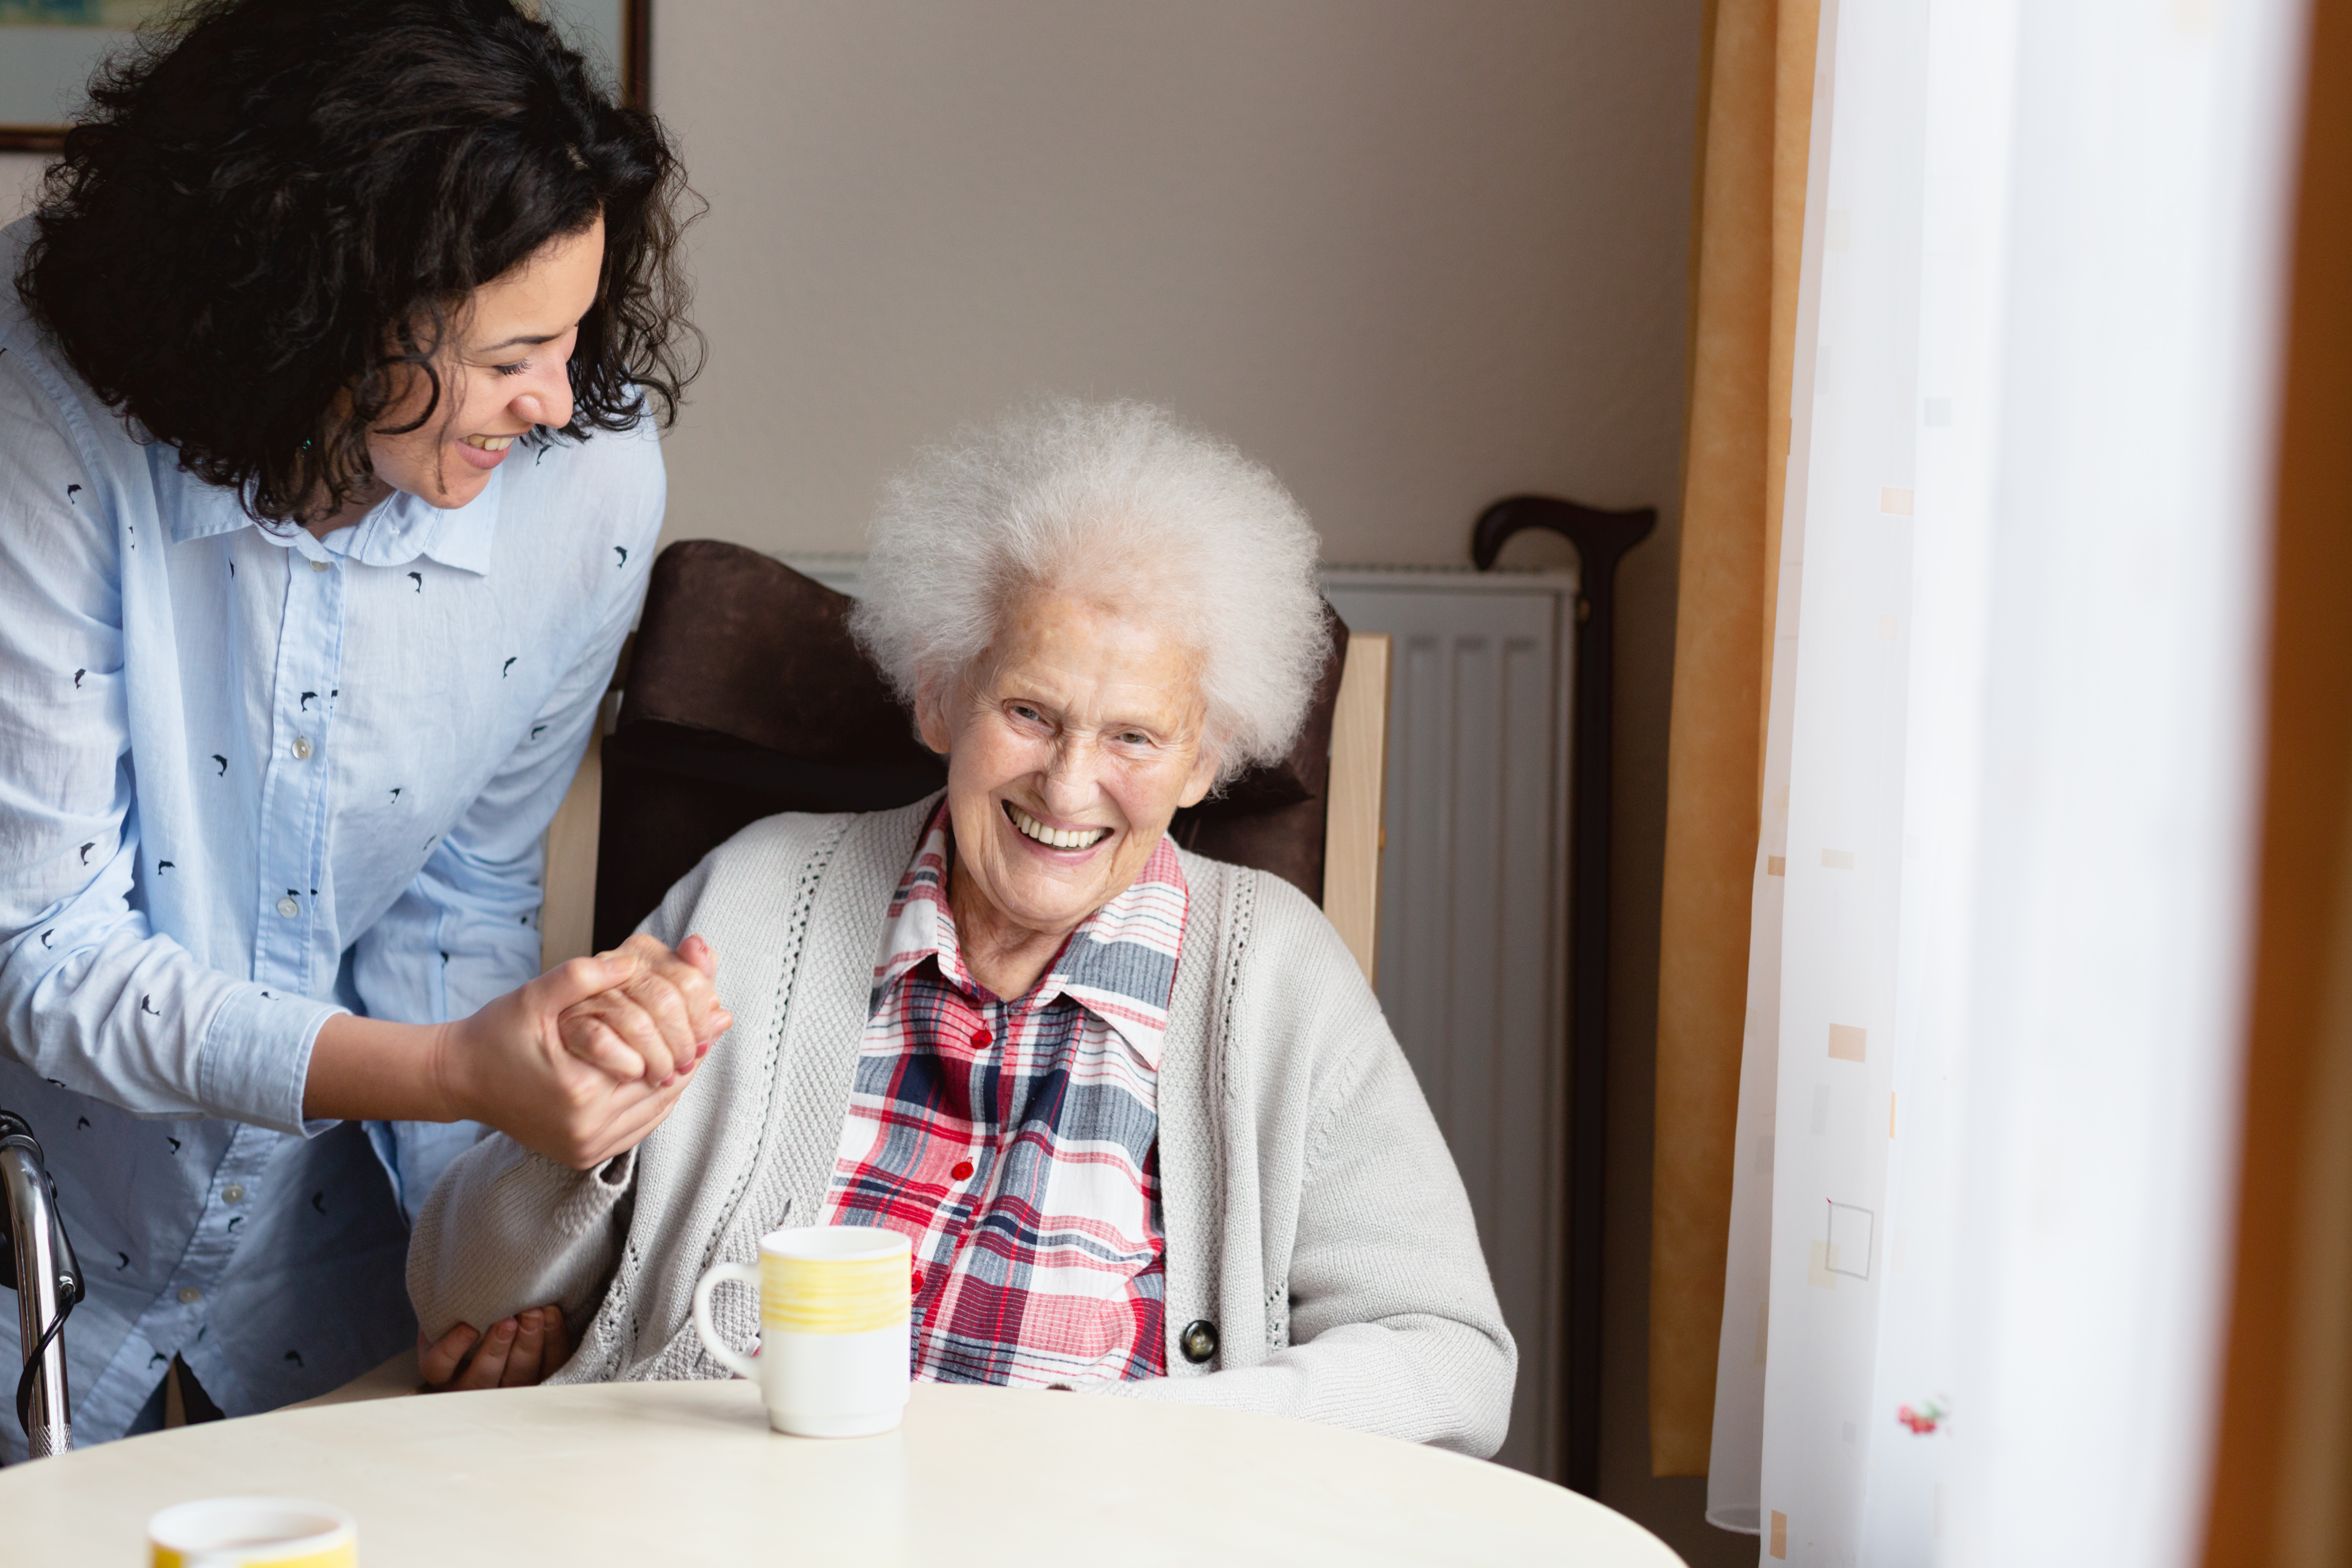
(1016, 1143)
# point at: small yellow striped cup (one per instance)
(834, 1301)
(252, 1533)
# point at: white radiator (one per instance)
(1474, 901)
(1472, 970)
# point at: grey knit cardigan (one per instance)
(1312, 1214)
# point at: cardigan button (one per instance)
(1199, 1340)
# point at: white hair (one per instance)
(1109, 500)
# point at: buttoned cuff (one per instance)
(256, 1060)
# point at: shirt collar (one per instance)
(1120, 964)
(399, 529)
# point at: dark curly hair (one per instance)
(261, 227)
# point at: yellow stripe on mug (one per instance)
(833, 1295)
(347, 1555)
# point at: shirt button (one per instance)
(190, 1295)
(318, 566)
(962, 1171)
(232, 1193)
(302, 748)
(917, 1282)
(980, 1038)
(1199, 1340)
(288, 908)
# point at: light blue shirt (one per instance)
(248, 779)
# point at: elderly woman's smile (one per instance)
(1070, 838)
(1069, 748)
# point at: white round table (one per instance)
(648, 1473)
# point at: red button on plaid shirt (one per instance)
(1016, 1143)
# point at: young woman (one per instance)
(328, 487)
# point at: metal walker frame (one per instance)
(37, 1256)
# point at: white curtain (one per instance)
(1978, 1257)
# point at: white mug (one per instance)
(252, 1533)
(835, 1306)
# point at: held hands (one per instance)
(516, 1352)
(658, 1024)
(585, 1060)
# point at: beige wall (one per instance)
(1413, 255)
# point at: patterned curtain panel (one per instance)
(1978, 1260)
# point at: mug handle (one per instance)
(725, 1353)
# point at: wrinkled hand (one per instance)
(517, 1352)
(507, 1064)
(656, 1024)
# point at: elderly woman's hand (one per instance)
(656, 1024)
(516, 1352)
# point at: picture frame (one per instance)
(48, 49)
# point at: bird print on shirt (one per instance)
(86, 849)
(318, 1202)
(418, 578)
(81, 1123)
(224, 765)
(294, 1356)
(537, 731)
(175, 1142)
(124, 1264)
(147, 1005)
(163, 866)
(44, 942)
(506, 667)
(622, 553)
(77, 675)
(72, 490)
(304, 706)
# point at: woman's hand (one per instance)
(656, 1024)
(517, 1352)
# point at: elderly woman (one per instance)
(1136, 1110)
